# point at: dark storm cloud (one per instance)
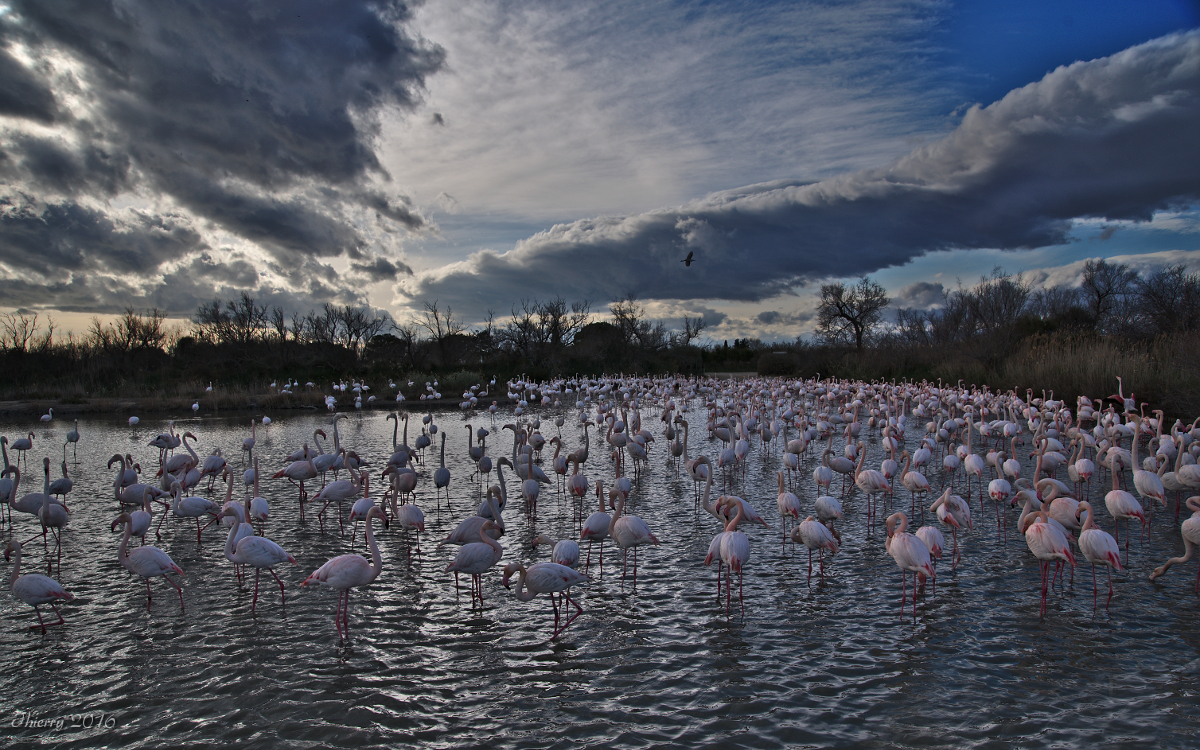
(1112, 138)
(920, 295)
(259, 117)
(56, 167)
(769, 317)
(382, 269)
(69, 238)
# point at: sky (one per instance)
(476, 154)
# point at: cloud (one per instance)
(920, 295)
(256, 121)
(382, 269)
(1111, 138)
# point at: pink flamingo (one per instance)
(1047, 544)
(816, 536)
(350, 571)
(1190, 529)
(595, 529)
(630, 531)
(550, 578)
(35, 589)
(734, 551)
(475, 559)
(1120, 505)
(261, 553)
(146, 562)
(910, 554)
(299, 471)
(1098, 546)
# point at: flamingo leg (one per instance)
(1110, 588)
(148, 596)
(40, 624)
(1095, 602)
(254, 601)
(177, 588)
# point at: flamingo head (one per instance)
(123, 518)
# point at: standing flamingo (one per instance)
(35, 589)
(1047, 544)
(346, 572)
(595, 528)
(910, 554)
(146, 562)
(260, 553)
(1098, 546)
(630, 531)
(734, 551)
(475, 559)
(816, 536)
(1120, 505)
(550, 578)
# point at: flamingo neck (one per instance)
(376, 558)
(16, 572)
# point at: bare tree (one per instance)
(410, 336)
(1106, 288)
(850, 313)
(997, 302)
(1168, 300)
(692, 328)
(441, 325)
(630, 319)
(18, 330)
(279, 323)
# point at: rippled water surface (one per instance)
(820, 664)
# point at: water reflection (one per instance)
(826, 663)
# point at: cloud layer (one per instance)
(137, 133)
(1112, 138)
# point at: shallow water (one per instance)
(831, 663)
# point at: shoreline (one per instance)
(151, 406)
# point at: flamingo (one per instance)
(441, 477)
(789, 505)
(629, 531)
(935, 542)
(564, 552)
(596, 528)
(910, 554)
(1047, 544)
(1190, 529)
(146, 562)
(953, 511)
(73, 439)
(870, 481)
(261, 554)
(248, 443)
(35, 589)
(259, 509)
(20, 446)
(816, 536)
(337, 492)
(734, 551)
(191, 507)
(550, 578)
(1098, 546)
(476, 558)
(1120, 505)
(346, 572)
(1147, 483)
(301, 471)
(913, 480)
(469, 528)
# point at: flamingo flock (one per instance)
(977, 434)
